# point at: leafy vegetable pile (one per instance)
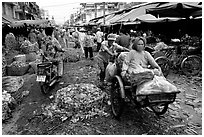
(12, 83)
(7, 102)
(78, 102)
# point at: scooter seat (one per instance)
(45, 64)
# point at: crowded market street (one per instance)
(101, 68)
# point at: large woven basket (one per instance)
(17, 71)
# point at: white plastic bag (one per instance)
(158, 85)
(110, 71)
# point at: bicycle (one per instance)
(189, 65)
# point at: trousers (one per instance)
(88, 52)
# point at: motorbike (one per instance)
(47, 74)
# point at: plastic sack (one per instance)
(121, 58)
(138, 78)
(110, 71)
(158, 85)
(160, 46)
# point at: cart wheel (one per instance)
(191, 65)
(160, 109)
(44, 88)
(117, 103)
(163, 62)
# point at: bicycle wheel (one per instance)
(160, 109)
(191, 65)
(44, 88)
(163, 62)
(117, 102)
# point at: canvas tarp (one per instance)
(173, 9)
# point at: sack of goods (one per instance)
(20, 58)
(17, 68)
(111, 70)
(136, 79)
(27, 47)
(10, 41)
(158, 85)
(121, 58)
(31, 57)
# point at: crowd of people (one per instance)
(52, 41)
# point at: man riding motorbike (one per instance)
(54, 53)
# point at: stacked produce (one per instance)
(7, 104)
(78, 101)
(72, 55)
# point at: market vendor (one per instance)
(108, 49)
(138, 59)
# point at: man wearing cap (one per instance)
(108, 49)
(99, 38)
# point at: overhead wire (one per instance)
(60, 4)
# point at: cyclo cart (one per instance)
(121, 89)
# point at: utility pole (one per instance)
(104, 4)
(95, 6)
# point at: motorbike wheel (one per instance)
(164, 64)
(44, 88)
(160, 109)
(191, 65)
(117, 103)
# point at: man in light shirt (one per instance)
(99, 38)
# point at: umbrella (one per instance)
(173, 9)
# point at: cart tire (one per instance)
(160, 111)
(117, 102)
(163, 62)
(191, 65)
(44, 88)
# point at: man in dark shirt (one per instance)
(123, 39)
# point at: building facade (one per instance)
(94, 10)
(20, 11)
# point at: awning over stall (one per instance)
(29, 22)
(173, 9)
